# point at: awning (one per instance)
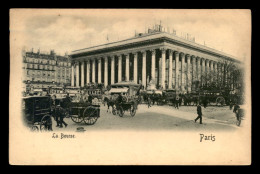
(118, 90)
(37, 90)
(158, 92)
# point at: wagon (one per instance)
(37, 113)
(84, 112)
(130, 93)
(127, 106)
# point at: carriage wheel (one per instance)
(90, 116)
(34, 128)
(114, 110)
(132, 110)
(220, 101)
(76, 118)
(46, 123)
(121, 111)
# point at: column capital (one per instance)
(176, 53)
(202, 59)
(170, 51)
(135, 53)
(187, 55)
(153, 51)
(193, 57)
(163, 50)
(182, 54)
(143, 51)
(198, 58)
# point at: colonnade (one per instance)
(168, 68)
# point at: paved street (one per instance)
(160, 118)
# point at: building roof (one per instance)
(148, 38)
(45, 56)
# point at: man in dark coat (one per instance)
(90, 99)
(61, 113)
(177, 102)
(236, 107)
(199, 112)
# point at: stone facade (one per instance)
(170, 61)
(45, 70)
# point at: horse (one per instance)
(109, 103)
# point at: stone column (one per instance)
(211, 71)
(207, 69)
(119, 68)
(188, 73)
(106, 72)
(198, 69)
(163, 66)
(127, 67)
(144, 69)
(153, 64)
(182, 71)
(135, 68)
(77, 74)
(170, 70)
(112, 70)
(88, 72)
(99, 70)
(72, 74)
(207, 66)
(193, 68)
(211, 66)
(202, 70)
(94, 71)
(215, 72)
(176, 70)
(82, 74)
(218, 73)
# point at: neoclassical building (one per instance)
(170, 61)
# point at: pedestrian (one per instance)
(199, 112)
(177, 102)
(153, 98)
(230, 105)
(149, 102)
(236, 107)
(90, 98)
(204, 102)
(61, 114)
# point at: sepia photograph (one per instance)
(130, 87)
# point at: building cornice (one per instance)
(147, 40)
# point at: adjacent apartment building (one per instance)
(42, 70)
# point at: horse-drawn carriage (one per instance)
(129, 92)
(37, 112)
(79, 111)
(86, 112)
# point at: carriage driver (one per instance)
(119, 101)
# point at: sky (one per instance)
(68, 30)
